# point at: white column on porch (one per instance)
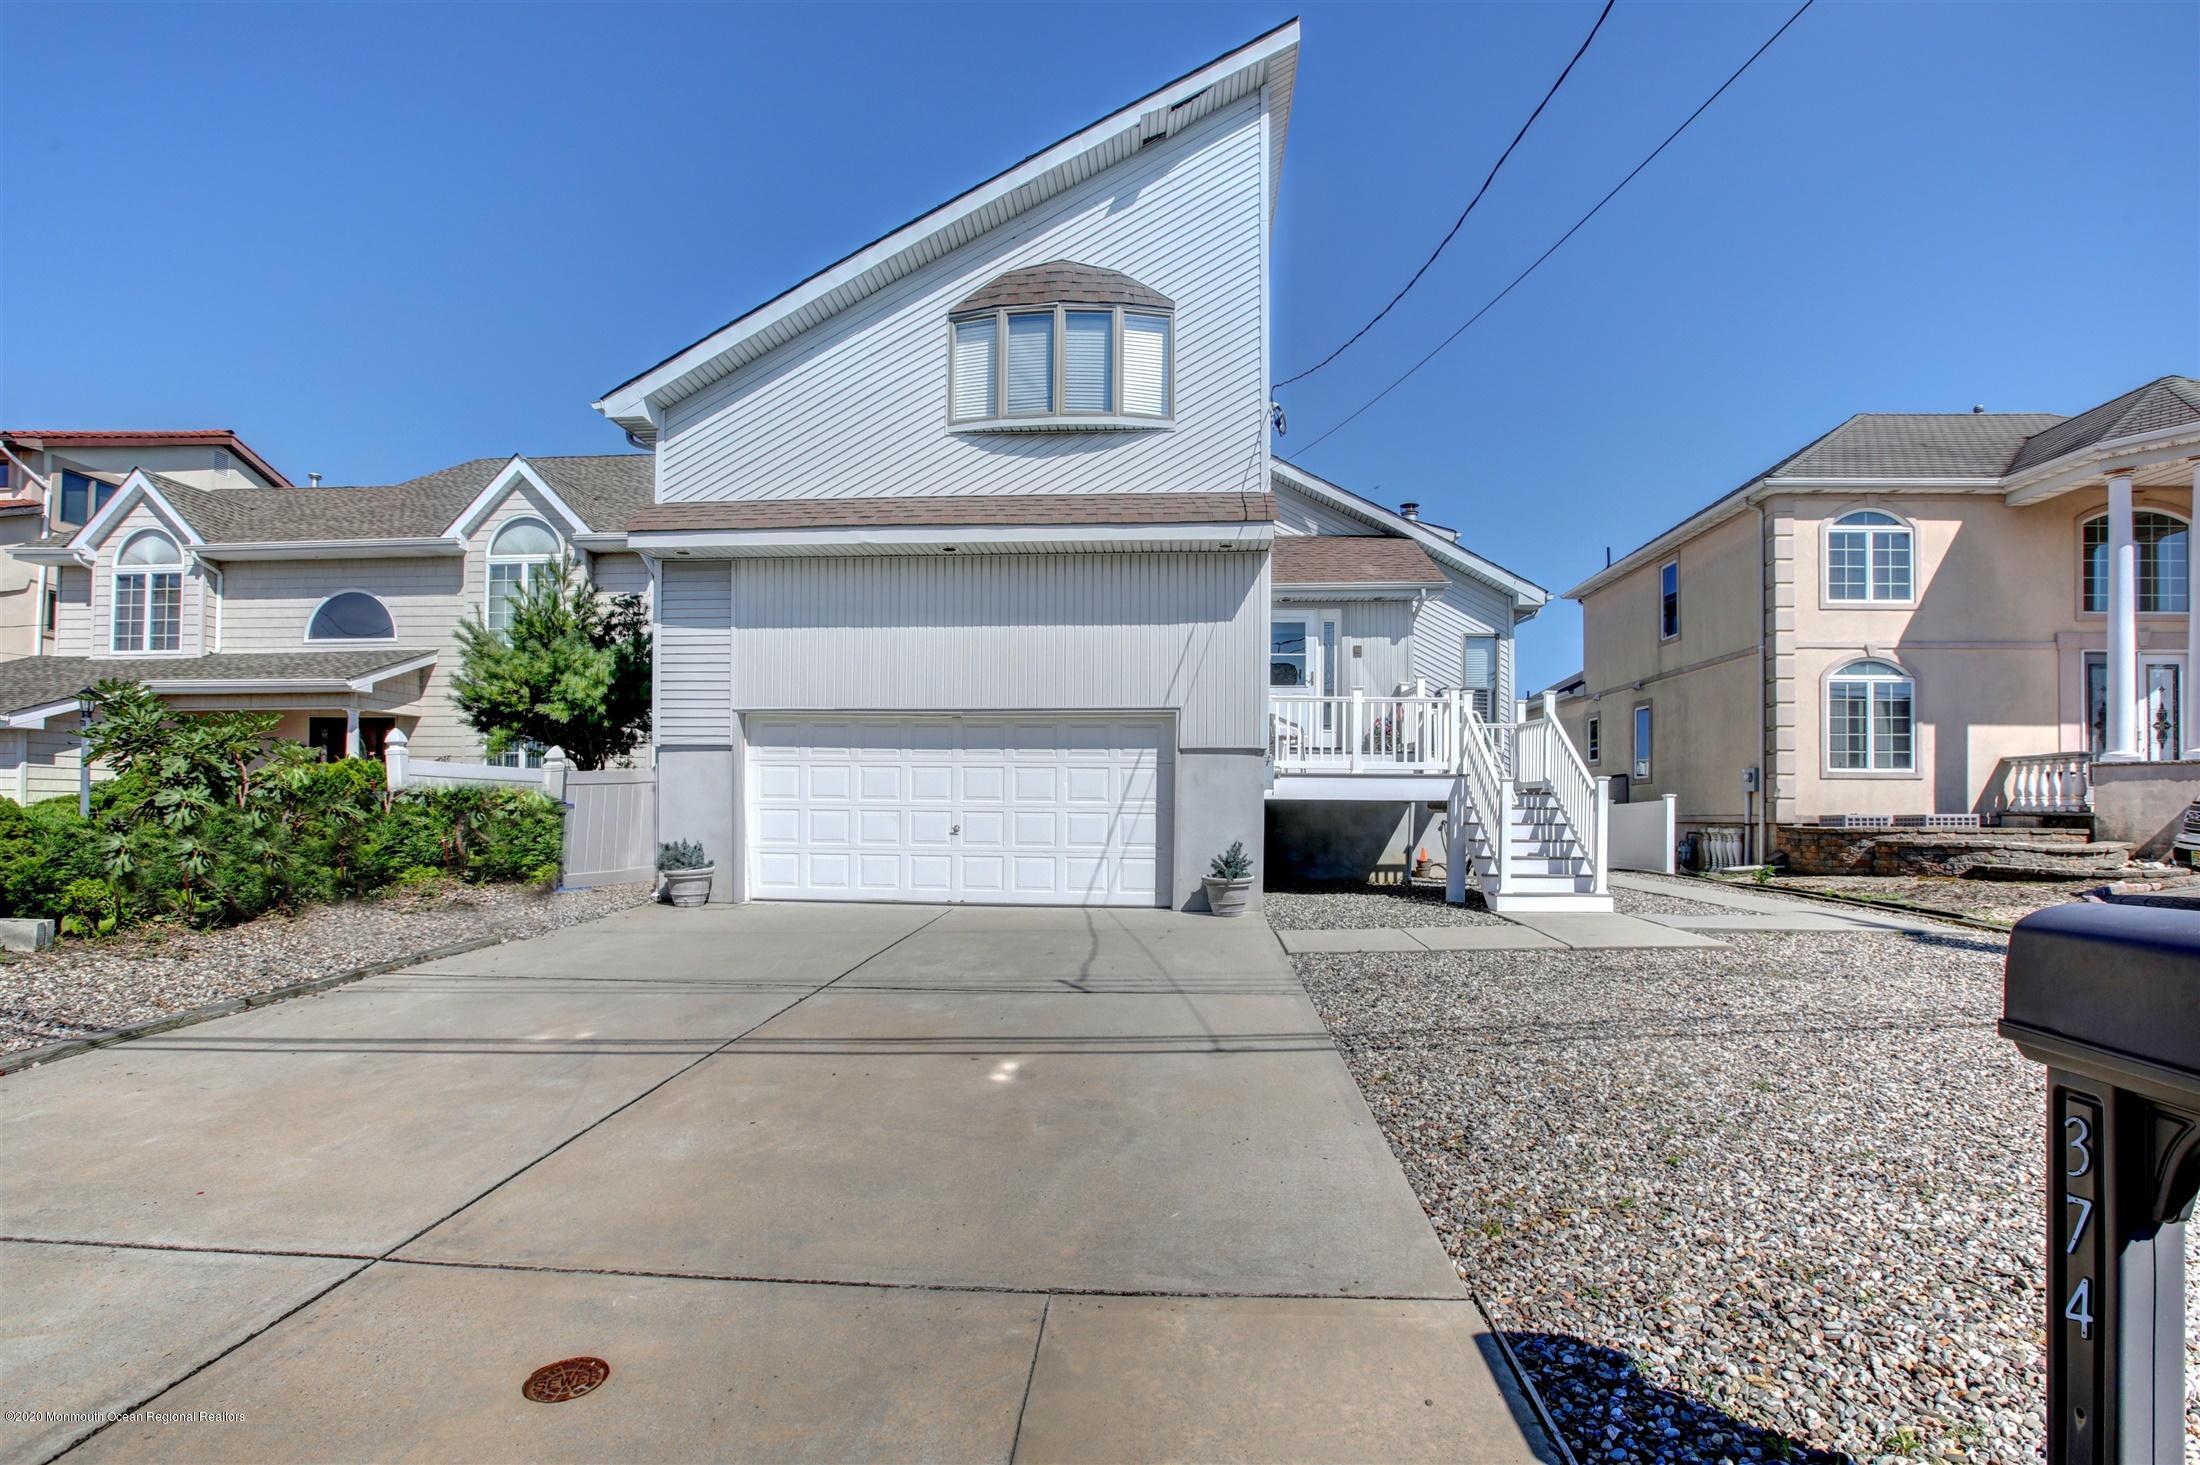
(2189, 715)
(351, 730)
(2121, 743)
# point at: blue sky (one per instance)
(380, 239)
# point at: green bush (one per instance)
(212, 819)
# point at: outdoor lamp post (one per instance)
(85, 700)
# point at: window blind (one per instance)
(1088, 366)
(974, 341)
(1146, 365)
(1030, 363)
(1479, 673)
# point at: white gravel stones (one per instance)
(1774, 1202)
(87, 987)
(1356, 906)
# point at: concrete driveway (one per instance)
(818, 1182)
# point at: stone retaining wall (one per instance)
(1809, 849)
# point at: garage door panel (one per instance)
(1035, 810)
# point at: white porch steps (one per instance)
(1546, 867)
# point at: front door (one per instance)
(325, 735)
(1302, 648)
(2161, 683)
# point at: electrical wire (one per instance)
(1585, 218)
(1485, 188)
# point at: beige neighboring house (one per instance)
(1919, 618)
(337, 608)
(54, 481)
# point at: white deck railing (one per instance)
(1363, 734)
(2048, 783)
(1543, 754)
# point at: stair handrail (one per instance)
(1492, 791)
(1570, 781)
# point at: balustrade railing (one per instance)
(2048, 783)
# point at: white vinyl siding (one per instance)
(1088, 360)
(142, 608)
(975, 345)
(1068, 632)
(1030, 364)
(854, 407)
(1145, 365)
(694, 655)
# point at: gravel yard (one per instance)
(1780, 1201)
(87, 987)
(2003, 901)
(1351, 905)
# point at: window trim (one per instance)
(1664, 635)
(1832, 674)
(1832, 525)
(1059, 414)
(1592, 738)
(488, 572)
(1640, 720)
(116, 574)
(307, 636)
(2100, 515)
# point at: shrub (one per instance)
(44, 849)
(477, 832)
(681, 854)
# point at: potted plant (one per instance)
(687, 873)
(1229, 881)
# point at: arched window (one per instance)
(148, 594)
(522, 551)
(1059, 342)
(2163, 543)
(1871, 720)
(352, 615)
(1868, 558)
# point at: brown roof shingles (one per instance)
(1067, 283)
(1352, 559)
(958, 510)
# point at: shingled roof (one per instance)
(604, 490)
(40, 681)
(1351, 559)
(1064, 283)
(2167, 401)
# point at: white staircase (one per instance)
(1528, 819)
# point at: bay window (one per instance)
(1064, 344)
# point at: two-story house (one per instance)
(978, 581)
(1919, 617)
(53, 482)
(337, 608)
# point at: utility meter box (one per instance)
(2108, 997)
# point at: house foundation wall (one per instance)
(1340, 840)
(2143, 804)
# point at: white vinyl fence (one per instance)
(610, 813)
(1643, 835)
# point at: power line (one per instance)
(1485, 188)
(1585, 218)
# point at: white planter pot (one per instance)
(1227, 897)
(689, 887)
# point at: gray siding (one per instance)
(695, 655)
(1162, 631)
(857, 405)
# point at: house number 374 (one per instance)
(2080, 1187)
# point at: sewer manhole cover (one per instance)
(568, 1378)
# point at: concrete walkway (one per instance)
(821, 1182)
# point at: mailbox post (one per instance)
(2108, 997)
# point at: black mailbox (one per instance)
(2108, 997)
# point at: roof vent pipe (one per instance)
(1977, 408)
(313, 480)
(1410, 510)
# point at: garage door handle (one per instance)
(954, 829)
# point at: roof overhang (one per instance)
(2087, 466)
(34, 718)
(1527, 596)
(1270, 60)
(946, 539)
(39, 441)
(364, 682)
(49, 554)
(1353, 589)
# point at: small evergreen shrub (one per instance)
(1232, 864)
(681, 854)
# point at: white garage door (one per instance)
(1021, 810)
